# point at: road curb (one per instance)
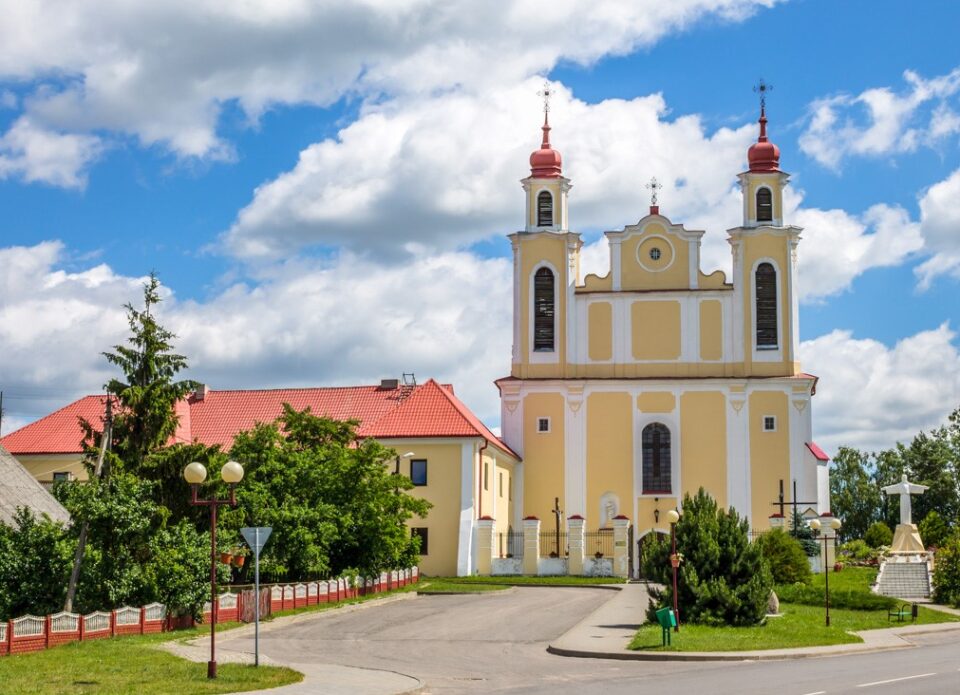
(706, 656)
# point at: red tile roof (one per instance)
(427, 410)
(819, 453)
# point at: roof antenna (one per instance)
(409, 379)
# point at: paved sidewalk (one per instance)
(318, 678)
(606, 632)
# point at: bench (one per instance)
(902, 611)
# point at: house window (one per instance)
(500, 484)
(486, 476)
(421, 533)
(769, 423)
(765, 283)
(62, 475)
(543, 425)
(656, 460)
(510, 490)
(764, 205)
(544, 209)
(418, 471)
(543, 311)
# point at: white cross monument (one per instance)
(906, 539)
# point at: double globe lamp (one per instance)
(195, 473)
(834, 524)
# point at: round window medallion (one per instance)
(655, 254)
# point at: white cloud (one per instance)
(163, 72)
(880, 121)
(871, 396)
(940, 225)
(37, 154)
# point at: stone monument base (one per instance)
(906, 539)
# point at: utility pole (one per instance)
(84, 530)
(1, 413)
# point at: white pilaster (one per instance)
(465, 560)
(738, 453)
(574, 446)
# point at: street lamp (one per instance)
(835, 524)
(407, 455)
(673, 516)
(195, 473)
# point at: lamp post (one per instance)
(835, 524)
(195, 473)
(673, 517)
(407, 455)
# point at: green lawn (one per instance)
(800, 626)
(849, 578)
(129, 665)
(516, 580)
(442, 585)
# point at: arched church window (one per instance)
(764, 205)
(543, 311)
(765, 281)
(544, 209)
(657, 471)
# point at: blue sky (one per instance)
(310, 188)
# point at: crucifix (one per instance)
(905, 489)
(557, 513)
(782, 504)
(654, 187)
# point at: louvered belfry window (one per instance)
(543, 311)
(766, 289)
(656, 460)
(544, 209)
(764, 205)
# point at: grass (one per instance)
(800, 626)
(442, 585)
(517, 580)
(131, 665)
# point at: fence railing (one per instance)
(30, 633)
(598, 543)
(510, 544)
(553, 544)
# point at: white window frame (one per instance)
(549, 425)
(763, 423)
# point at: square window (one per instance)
(543, 424)
(421, 533)
(62, 475)
(418, 471)
(769, 423)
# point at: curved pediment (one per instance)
(655, 254)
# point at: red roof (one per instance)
(427, 410)
(819, 453)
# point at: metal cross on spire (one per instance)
(654, 186)
(762, 88)
(546, 93)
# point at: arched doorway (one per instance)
(643, 542)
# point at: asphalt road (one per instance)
(496, 642)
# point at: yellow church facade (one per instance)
(631, 389)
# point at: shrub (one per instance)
(878, 534)
(723, 578)
(934, 530)
(856, 550)
(785, 556)
(946, 572)
(35, 562)
(841, 598)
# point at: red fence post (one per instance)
(46, 630)
(113, 623)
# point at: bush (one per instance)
(35, 562)
(946, 573)
(785, 556)
(878, 534)
(856, 550)
(934, 530)
(841, 598)
(723, 578)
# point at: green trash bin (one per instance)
(668, 621)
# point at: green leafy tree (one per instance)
(177, 573)
(331, 500)
(854, 494)
(34, 565)
(946, 573)
(723, 577)
(934, 531)
(878, 534)
(785, 556)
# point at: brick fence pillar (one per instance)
(485, 530)
(621, 549)
(575, 526)
(531, 545)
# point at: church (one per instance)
(631, 389)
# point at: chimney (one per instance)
(389, 384)
(201, 392)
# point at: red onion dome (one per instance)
(763, 155)
(546, 163)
